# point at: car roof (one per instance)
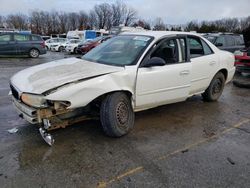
(221, 34)
(1, 33)
(160, 34)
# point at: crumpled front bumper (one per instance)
(26, 112)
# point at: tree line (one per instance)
(102, 16)
(106, 15)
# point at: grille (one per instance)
(14, 92)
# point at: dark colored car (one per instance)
(89, 45)
(242, 60)
(228, 42)
(21, 44)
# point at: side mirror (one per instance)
(218, 44)
(154, 61)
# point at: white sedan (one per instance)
(128, 73)
(71, 46)
(55, 42)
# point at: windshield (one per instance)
(119, 51)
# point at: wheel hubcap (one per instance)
(122, 113)
(217, 87)
(34, 53)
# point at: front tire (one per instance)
(75, 51)
(117, 115)
(34, 53)
(60, 49)
(215, 89)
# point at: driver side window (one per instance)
(171, 51)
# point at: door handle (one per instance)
(185, 72)
(212, 63)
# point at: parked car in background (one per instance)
(128, 73)
(59, 47)
(89, 45)
(71, 46)
(55, 42)
(228, 42)
(21, 44)
(242, 60)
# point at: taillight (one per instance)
(43, 44)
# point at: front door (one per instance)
(159, 85)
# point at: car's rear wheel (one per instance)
(116, 114)
(215, 89)
(34, 53)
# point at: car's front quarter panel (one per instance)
(81, 93)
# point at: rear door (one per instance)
(23, 43)
(7, 45)
(170, 83)
(204, 64)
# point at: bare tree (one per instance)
(159, 24)
(36, 21)
(93, 23)
(118, 13)
(83, 20)
(17, 21)
(73, 21)
(192, 26)
(103, 15)
(62, 22)
(54, 17)
(244, 23)
(2, 21)
(130, 16)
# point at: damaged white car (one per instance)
(128, 73)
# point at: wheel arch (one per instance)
(34, 48)
(224, 72)
(100, 98)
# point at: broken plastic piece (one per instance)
(12, 131)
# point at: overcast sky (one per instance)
(172, 11)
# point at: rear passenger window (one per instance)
(4, 38)
(21, 37)
(206, 48)
(195, 46)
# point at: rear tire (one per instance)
(34, 53)
(117, 115)
(215, 89)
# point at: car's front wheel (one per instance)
(215, 89)
(116, 114)
(75, 51)
(34, 53)
(61, 48)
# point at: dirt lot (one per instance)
(189, 144)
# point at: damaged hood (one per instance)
(44, 77)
